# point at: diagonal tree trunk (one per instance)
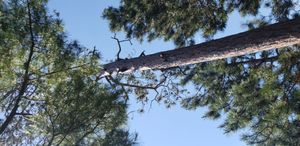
(265, 38)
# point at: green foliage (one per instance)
(49, 91)
(258, 92)
(167, 19)
(254, 92)
(180, 20)
(119, 138)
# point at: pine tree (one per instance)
(49, 94)
(180, 21)
(259, 92)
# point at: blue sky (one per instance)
(159, 126)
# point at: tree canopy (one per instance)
(49, 93)
(258, 92)
(180, 20)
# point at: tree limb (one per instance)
(277, 35)
(25, 77)
(119, 45)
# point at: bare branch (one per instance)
(24, 114)
(119, 45)
(122, 86)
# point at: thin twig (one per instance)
(119, 45)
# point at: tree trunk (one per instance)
(265, 38)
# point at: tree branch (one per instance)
(7, 94)
(62, 70)
(23, 114)
(119, 45)
(277, 35)
(255, 60)
(25, 77)
(137, 86)
(87, 133)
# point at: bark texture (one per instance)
(265, 38)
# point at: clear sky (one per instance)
(159, 126)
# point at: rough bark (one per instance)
(265, 38)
